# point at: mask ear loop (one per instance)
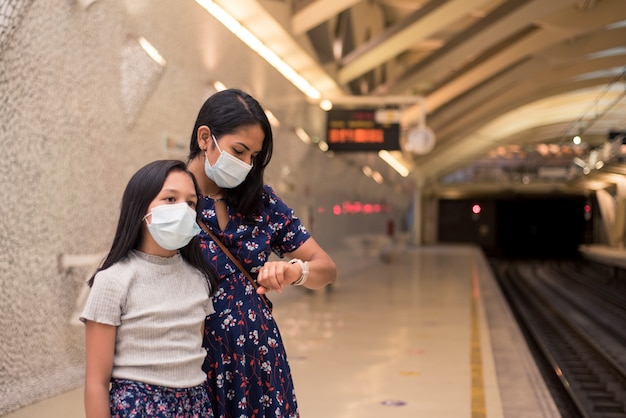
(206, 154)
(215, 142)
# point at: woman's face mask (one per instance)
(173, 226)
(228, 171)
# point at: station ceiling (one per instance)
(504, 84)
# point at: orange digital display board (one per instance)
(361, 130)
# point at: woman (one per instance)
(247, 368)
(148, 303)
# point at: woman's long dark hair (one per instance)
(224, 113)
(142, 189)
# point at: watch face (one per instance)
(420, 140)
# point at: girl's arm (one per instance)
(100, 347)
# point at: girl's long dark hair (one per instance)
(224, 113)
(141, 190)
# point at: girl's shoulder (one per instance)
(120, 272)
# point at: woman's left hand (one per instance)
(275, 275)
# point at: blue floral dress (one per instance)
(246, 364)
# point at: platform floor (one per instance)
(427, 334)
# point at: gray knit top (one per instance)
(158, 305)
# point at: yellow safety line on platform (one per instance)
(479, 409)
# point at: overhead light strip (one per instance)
(260, 48)
(393, 162)
(151, 51)
(304, 137)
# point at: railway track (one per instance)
(578, 326)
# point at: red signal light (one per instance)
(587, 211)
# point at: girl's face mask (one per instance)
(228, 171)
(172, 226)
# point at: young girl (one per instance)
(147, 304)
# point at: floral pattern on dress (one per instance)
(246, 364)
(131, 399)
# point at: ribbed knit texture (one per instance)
(158, 305)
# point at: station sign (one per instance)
(363, 129)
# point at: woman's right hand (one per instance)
(275, 275)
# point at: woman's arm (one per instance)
(100, 347)
(277, 274)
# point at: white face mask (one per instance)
(228, 171)
(172, 226)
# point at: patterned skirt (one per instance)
(131, 399)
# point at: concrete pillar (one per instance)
(416, 232)
(613, 211)
(606, 204)
(416, 204)
(620, 213)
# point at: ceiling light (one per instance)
(617, 25)
(577, 140)
(377, 177)
(610, 72)
(393, 162)
(543, 150)
(219, 86)
(580, 162)
(272, 118)
(304, 137)
(326, 105)
(151, 51)
(260, 48)
(611, 52)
